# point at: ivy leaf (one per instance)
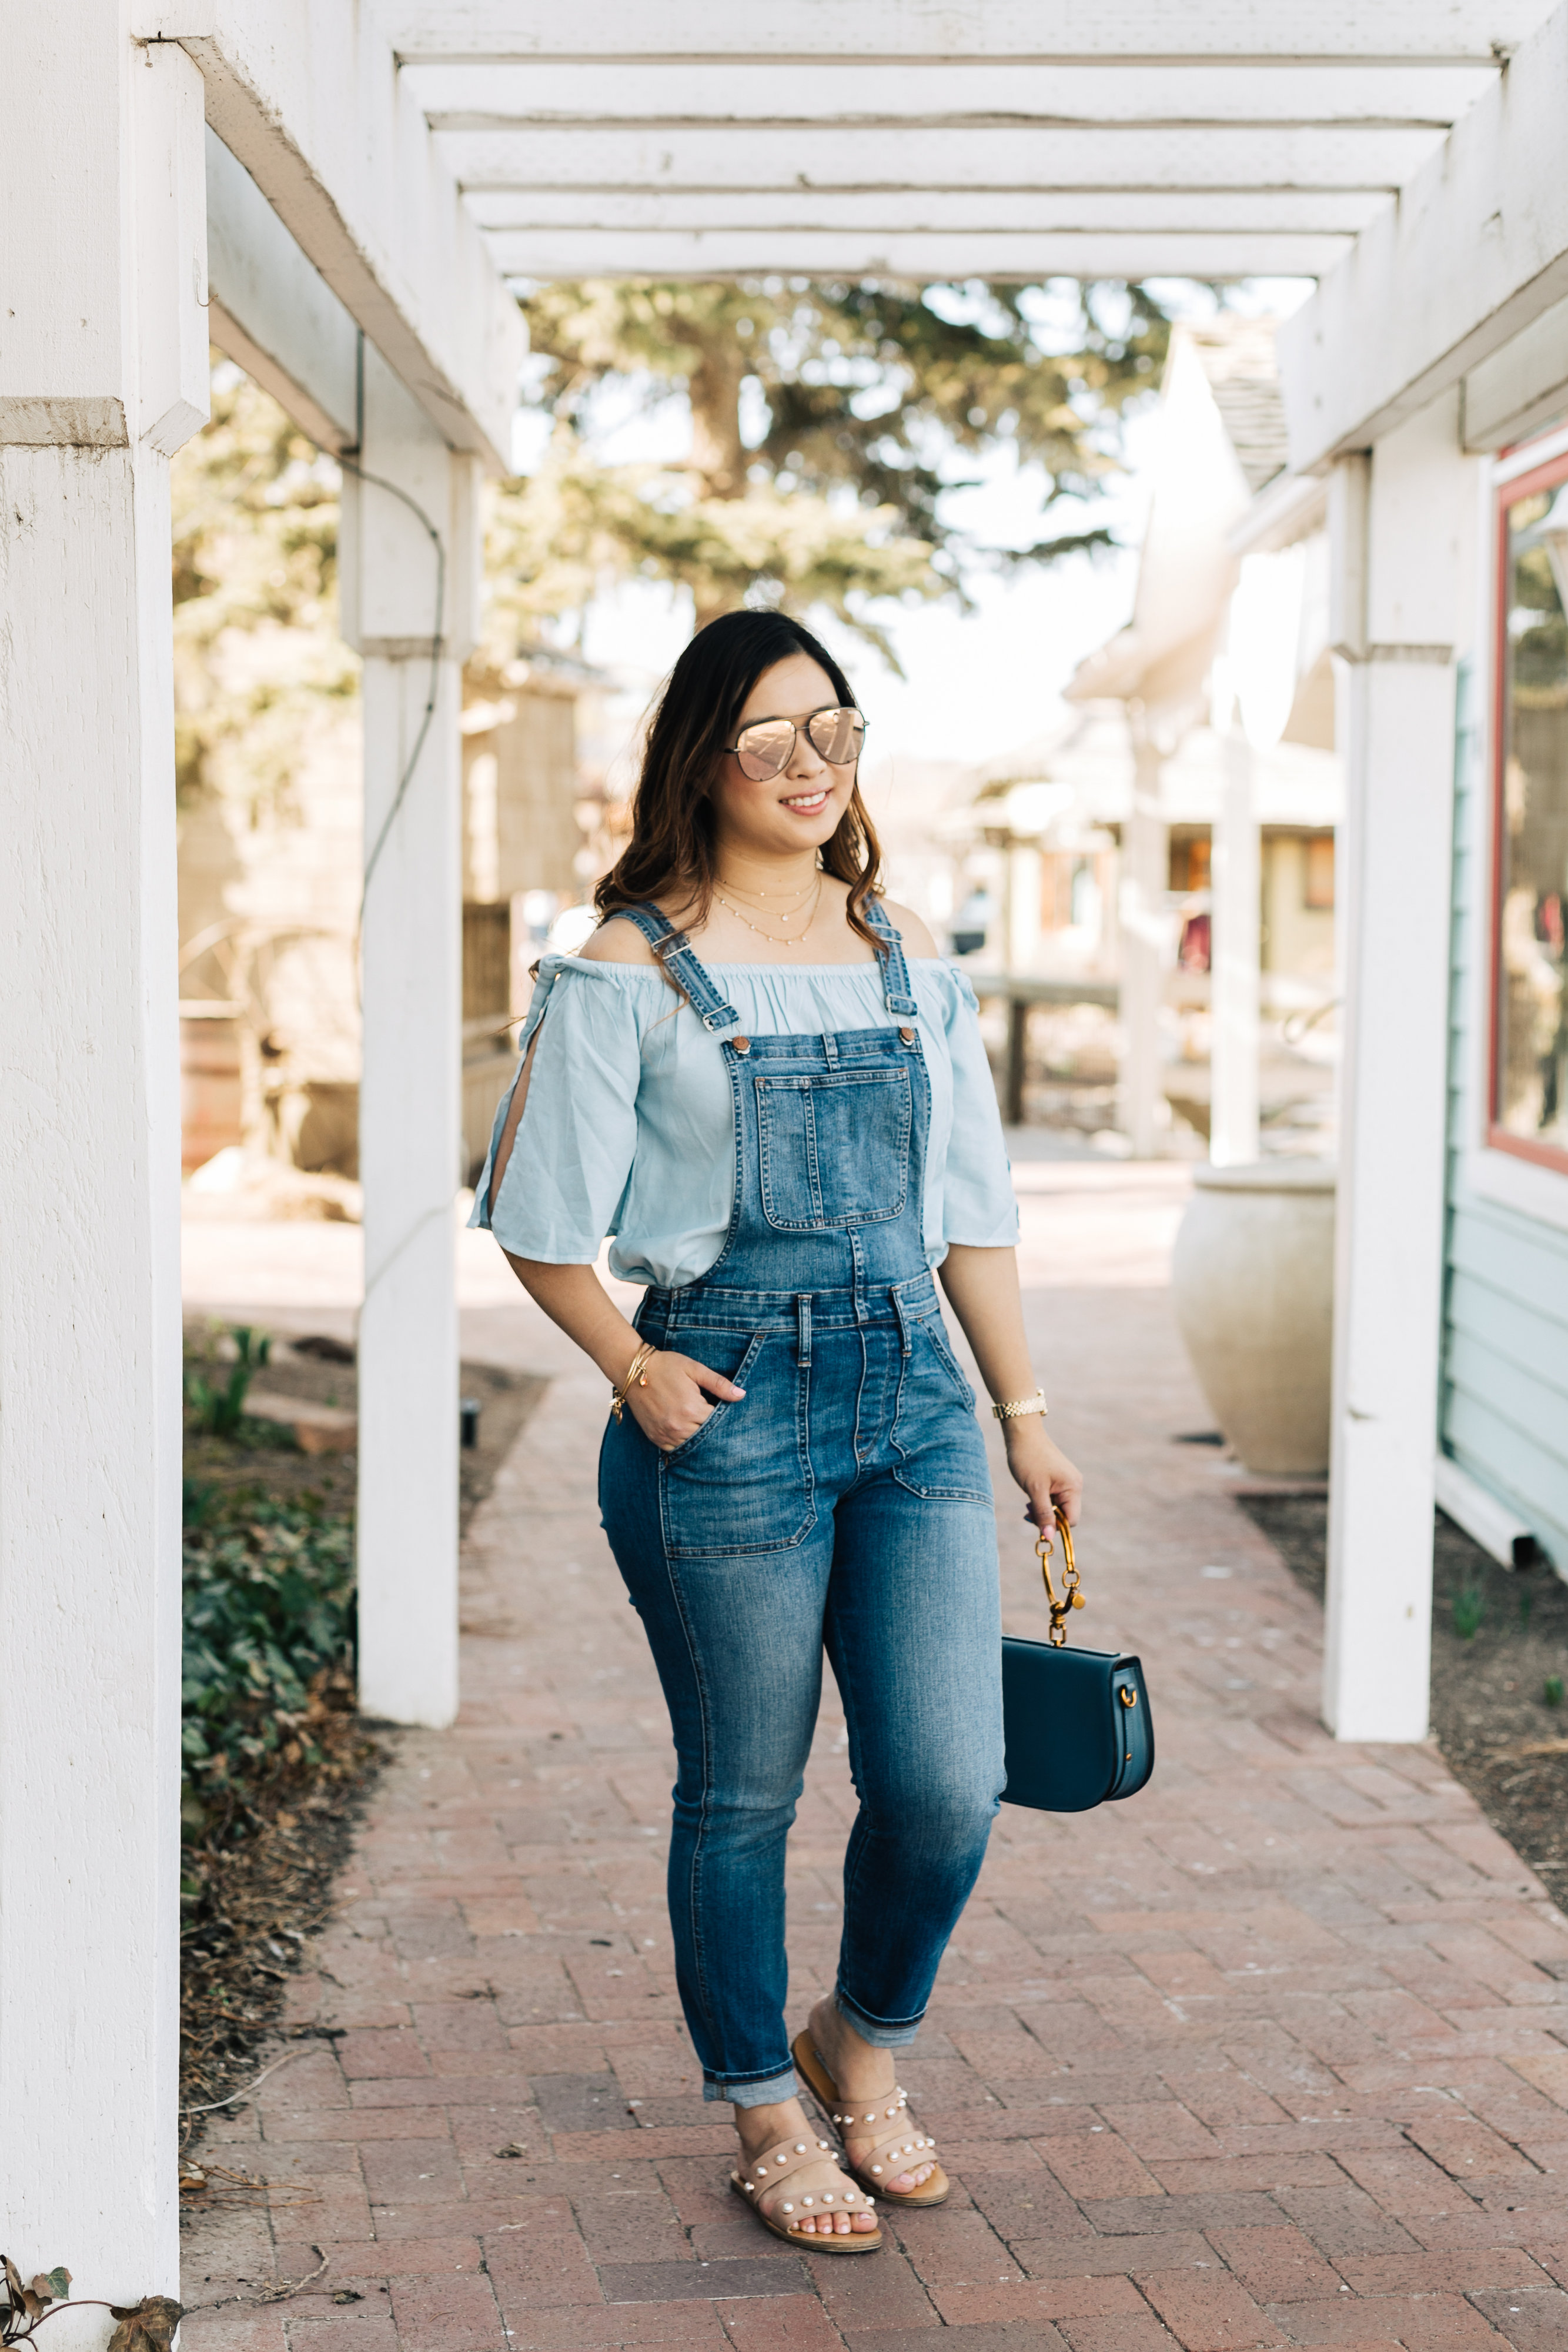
(60, 2280)
(145, 2327)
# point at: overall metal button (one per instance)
(741, 1045)
(906, 1037)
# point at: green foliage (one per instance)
(554, 540)
(1470, 1608)
(825, 419)
(1552, 1694)
(219, 1404)
(268, 1608)
(22, 2307)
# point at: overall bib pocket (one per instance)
(741, 1483)
(835, 1149)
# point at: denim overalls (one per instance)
(843, 1503)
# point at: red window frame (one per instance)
(1543, 477)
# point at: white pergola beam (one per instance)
(969, 91)
(924, 254)
(1137, 32)
(713, 157)
(941, 212)
(1476, 250)
(272, 312)
(310, 103)
(1521, 387)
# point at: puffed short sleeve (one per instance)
(577, 1139)
(978, 1206)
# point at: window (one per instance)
(1528, 1107)
(1190, 854)
(1317, 872)
(486, 962)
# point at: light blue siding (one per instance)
(1504, 1405)
(1522, 1334)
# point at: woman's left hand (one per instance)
(1043, 1471)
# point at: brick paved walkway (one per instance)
(1275, 2053)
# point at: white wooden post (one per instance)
(1142, 927)
(1023, 905)
(1233, 978)
(410, 1103)
(1404, 572)
(103, 372)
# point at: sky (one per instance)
(977, 685)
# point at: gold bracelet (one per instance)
(637, 1378)
(1015, 1410)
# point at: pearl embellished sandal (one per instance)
(892, 2139)
(798, 2156)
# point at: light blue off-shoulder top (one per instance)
(629, 1126)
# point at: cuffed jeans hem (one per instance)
(874, 2030)
(768, 2093)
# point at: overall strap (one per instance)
(676, 957)
(897, 993)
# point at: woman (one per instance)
(760, 1079)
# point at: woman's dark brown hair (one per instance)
(671, 849)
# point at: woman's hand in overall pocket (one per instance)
(1043, 1471)
(673, 1405)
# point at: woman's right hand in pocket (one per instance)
(673, 1405)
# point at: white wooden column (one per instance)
(103, 372)
(1404, 576)
(410, 1105)
(1023, 910)
(1233, 978)
(1143, 925)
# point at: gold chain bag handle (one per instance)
(1072, 1597)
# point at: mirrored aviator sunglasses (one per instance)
(767, 748)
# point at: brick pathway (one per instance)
(1276, 2054)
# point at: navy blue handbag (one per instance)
(1076, 1722)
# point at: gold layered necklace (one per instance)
(815, 895)
(767, 901)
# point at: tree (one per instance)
(257, 656)
(825, 420)
(267, 748)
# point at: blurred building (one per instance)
(1174, 843)
(269, 912)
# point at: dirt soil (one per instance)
(268, 1457)
(260, 1881)
(1490, 1713)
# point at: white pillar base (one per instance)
(410, 1146)
(105, 373)
(1414, 579)
(1142, 927)
(1233, 1129)
(89, 1373)
(411, 1138)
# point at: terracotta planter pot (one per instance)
(1252, 1278)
